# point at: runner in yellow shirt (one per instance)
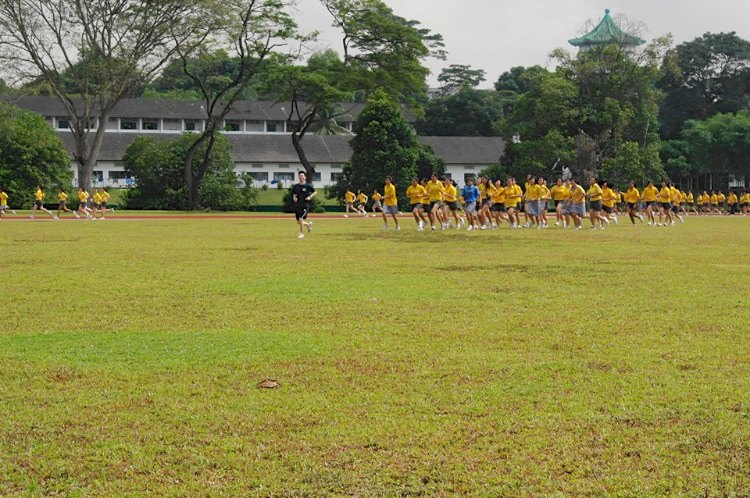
(559, 193)
(676, 199)
(4, 204)
(415, 193)
(390, 203)
(732, 202)
(349, 198)
(62, 200)
(39, 196)
(544, 202)
(631, 202)
(609, 199)
(435, 196)
(83, 200)
(650, 194)
(594, 195)
(744, 202)
(450, 204)
(665, 203)
(376, 204)
(577, 197)
(497, 210)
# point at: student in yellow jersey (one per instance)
(4, 204)
(676, 199)
(97, 198)
(577, 198)
(650, 194)
(361, 203)
(486, 189)
(558, 195)
(532, 196)
(543, 202)
(450, 204)
(415, 193)
(39, 196)
(62, 200)
(631, 202)
(435, 195)
(609, 201)
(376, 202)
(349, 198)
(497, 209)
(744, 202)
(390, 203)
(83, 200)
(104, 205)
(665, 203)
(594, 195)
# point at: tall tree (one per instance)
(32, 154)
(91, 54)
(468, 113)
(384, 145)
(379, 50)
(705, 76)
(252, 31)
(459, 76)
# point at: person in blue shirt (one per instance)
(470, 194)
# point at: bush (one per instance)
(157, 166)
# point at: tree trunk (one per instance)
(191, 183)
(309, 169)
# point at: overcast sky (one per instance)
(496, 35)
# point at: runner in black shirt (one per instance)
(302, 194)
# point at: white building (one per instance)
(260, 138)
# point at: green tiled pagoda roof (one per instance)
(607, 33)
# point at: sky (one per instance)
(496, 35)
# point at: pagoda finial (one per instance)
(606, 12)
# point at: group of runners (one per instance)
(484, 204)
(92, 207)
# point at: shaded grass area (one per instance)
(510, 362)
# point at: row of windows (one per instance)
(248, 126)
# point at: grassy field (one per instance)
(514, 362)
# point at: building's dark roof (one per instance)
(250, 148)
(176, 109)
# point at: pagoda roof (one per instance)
(607, 33)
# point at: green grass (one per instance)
(275, 197)
(493, 363)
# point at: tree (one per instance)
(702, 77)
(157, 166)
(720, 145)
(31, 154)
(581, 115)
(92, 54)
(380, 50)
(458, 76)
(468, 113)
(254, 30)
(384, 145)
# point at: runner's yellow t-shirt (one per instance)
(435, 189)
(415, 193)
(349, 197)
(632, 195)
(390, 195)
(577, 194)
(650, 193)
(39, 195)
(450, 193)
(3, 199)
(62, 196)
(608, 197)
(595, 192)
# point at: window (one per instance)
(271, 127)
(336, 177)
(317, 177)
(257, 166)
(284, 166)
(112, 124)
(256, 126)
(63, 123)
(128, 124)
(117, 175)
(275, 126)
(97, 176)
(232, 125)
(150, 124)
(448, 176)
(285, 177)
(191, 125)
(259, 176)
(173, 125)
